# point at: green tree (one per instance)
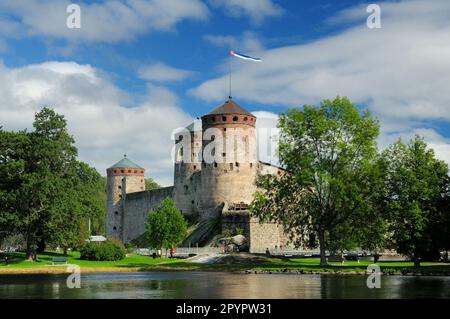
(46, 194)
(415, 185)
(70, 212)
(166, 226)
(328, 153)
(151, 184)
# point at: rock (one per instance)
(238, 240)
(230, 248)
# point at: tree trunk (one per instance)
(375, 258)
(41, 246)
(323, 257)
(65, 251)
(416, 262)
(31, 253)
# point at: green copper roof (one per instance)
(125, 163)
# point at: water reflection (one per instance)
(221, 285)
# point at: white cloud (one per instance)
(401, 71)
(101, 21)
(267, 135)
(256, 10)
(104, 129)
(248, 41)
(162, 73)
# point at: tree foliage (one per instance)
(166, 226)
(46, 194)
(328, 153)
(416, 197)
(151, 184)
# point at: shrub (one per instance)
(105, 251)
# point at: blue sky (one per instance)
(138, 69)
(184, 47)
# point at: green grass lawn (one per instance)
(17, 260)
(138, 262)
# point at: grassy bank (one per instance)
(132, 262)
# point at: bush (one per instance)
(105, 251)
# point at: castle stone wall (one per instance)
(266, 235)
(136, 208)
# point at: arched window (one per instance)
(224, 118)
(235, 118)
(246, 118)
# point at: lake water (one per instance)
(221, 285)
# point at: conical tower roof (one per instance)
(125, 163)
(229, 107)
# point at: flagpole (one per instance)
(229, 93)
(229, 75)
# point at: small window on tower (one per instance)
(129, 171)
(116, 212)
(122, 171)
(224, 118)
(215, 164)
(213, 118)
(235, 118)
(115, 171)
(114, 228)
(237, 164)
(192, 202)
(246, 118)
(195, 167)
(224, 129)
(251, 164)
(135, 172)
(224, 154)
(231, 166)
(120, 187)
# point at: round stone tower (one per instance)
(229, 157)
(188, 156)
(123, 177)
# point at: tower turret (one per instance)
(229, 156)
(123, 177)
(188, 157)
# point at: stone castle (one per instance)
(214, 179)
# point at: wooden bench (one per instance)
(59, 260)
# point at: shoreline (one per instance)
(57, 270)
